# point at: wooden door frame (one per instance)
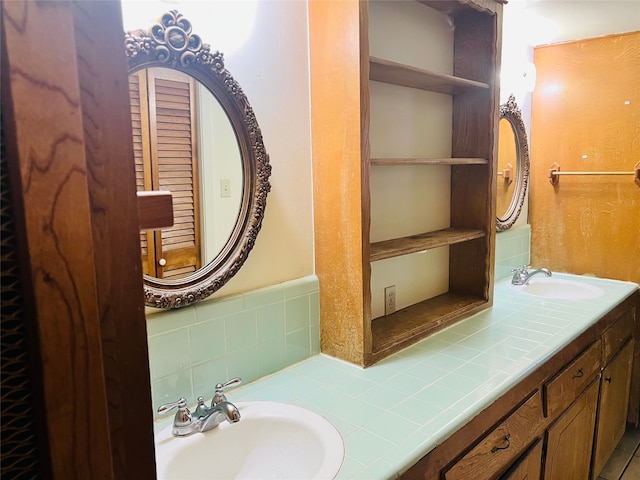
(69, 145)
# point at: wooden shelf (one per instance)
(422, 241)
(420, 320)
(454, 9)
(351, 82)
(388, 162)
(407, 76)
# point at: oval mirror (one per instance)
(513, 165)
(195, 135)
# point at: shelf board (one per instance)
(420, 320)
(453, 8)
(422, 241)
(398, 74)
(384, 162)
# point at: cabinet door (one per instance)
(570, 438)
(613, 405)
(529, 467)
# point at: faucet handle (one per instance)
(219, 396)
(519, 275)
(183, 415)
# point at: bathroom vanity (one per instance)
(532, 384)
(566, 417)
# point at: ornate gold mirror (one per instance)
(513, 165)
(196, 135)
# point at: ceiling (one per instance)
(540, 22)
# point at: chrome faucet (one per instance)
(204, 417)
(522, 276)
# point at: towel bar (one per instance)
(554, 173)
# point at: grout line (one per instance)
(628, 462)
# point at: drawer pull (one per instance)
(579, 374)
(507, 445)
(607, 379)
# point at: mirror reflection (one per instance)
(507, 165)
(197, 137)
(513, 165)
(184, 143)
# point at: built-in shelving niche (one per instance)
(423, 318)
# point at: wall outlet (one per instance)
(390, 300)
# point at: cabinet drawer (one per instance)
(570, 382)
(616, 335)
(502, 445)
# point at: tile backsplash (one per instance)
(513, 248)
(248, 335)
(257, 333)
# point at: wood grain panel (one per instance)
(70, 133)
(105, 115)
(587, 224)
(614, 401)
(379, 162)
(47, 146)
(570, 439)
(422, 241)
(614, 338)
(337, 177)
(502, 446)
(386, 71)
(529, 467)
(141, 151)
(569, 383)
(398, 330)
(477, 42)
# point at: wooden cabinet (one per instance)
(614, 400)
(566, 429)
(563, 389)
(502, 446)
(570, 439)
(401, 109)
(529, 466)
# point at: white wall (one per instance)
(272, 66)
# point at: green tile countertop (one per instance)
(392, 414)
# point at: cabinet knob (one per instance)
(607, 379)
(162, 262)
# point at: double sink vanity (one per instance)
(540, 381)
(534, 378)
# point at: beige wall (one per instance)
(586, 117)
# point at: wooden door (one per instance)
(163, 115)
(570, 438)
(612, 408)
(65, 114)
(529, 467)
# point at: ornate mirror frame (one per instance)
(510, 112)
(171, 44)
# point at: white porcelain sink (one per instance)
(559, 288)
(271, 440)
